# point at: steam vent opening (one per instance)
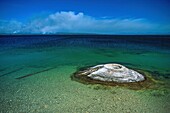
(114, 75)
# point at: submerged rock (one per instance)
(112, 73)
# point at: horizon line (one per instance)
(85, 34)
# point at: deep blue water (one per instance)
(132, 42)
(145, 51)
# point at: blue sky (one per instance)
(85, 16)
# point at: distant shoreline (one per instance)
(84, 34)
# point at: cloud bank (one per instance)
(70, 22)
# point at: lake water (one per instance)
(35, 73)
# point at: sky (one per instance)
(85, 16)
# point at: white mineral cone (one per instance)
(116, 73)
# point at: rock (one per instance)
(113, 72)
(115, 75)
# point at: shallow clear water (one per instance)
(35, 73)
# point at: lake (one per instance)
(36, 70)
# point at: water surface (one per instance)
(35, 73)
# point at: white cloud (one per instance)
(70, 22)
(10, 26)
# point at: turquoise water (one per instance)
(35, 73)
